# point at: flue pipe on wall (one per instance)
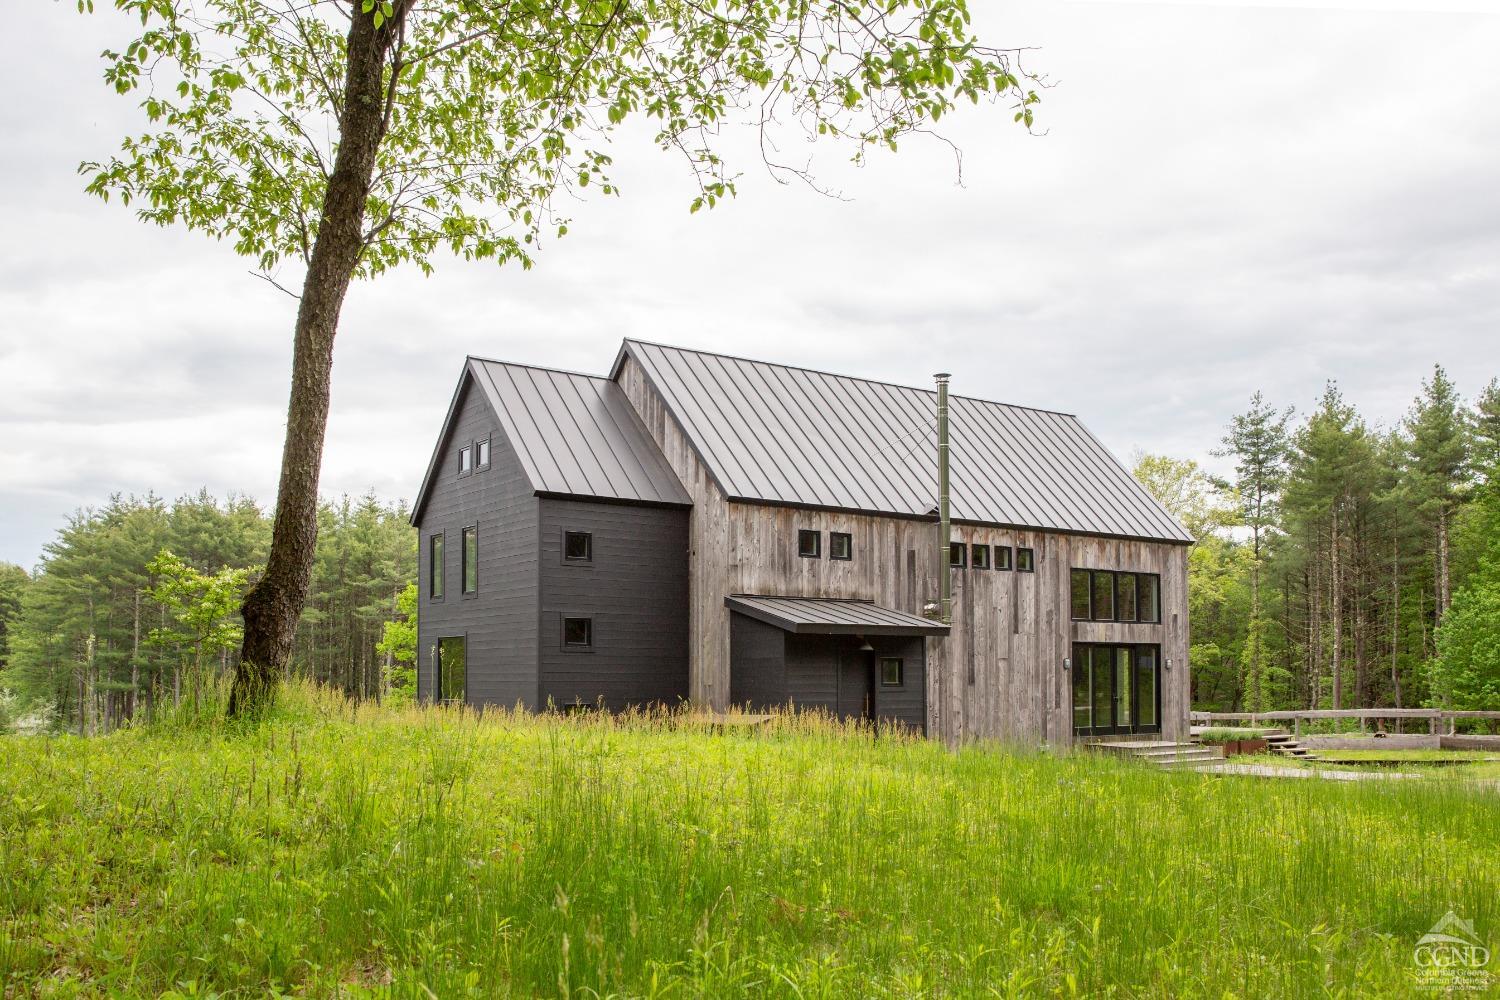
(944, 527)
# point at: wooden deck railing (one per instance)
(1434, 717)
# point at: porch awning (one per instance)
(830, 616)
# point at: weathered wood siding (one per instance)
(998, 675)
(500, 620)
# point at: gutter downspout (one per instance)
(945, 528)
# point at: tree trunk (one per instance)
(135, 656)
(274, 605)
(1336, 598)
(1444, 587)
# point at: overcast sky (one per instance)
(1228, 198)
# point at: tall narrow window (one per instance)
(809, 543)
(958, 554)
(471, 559)
(1080, 594)
(578, 546)
(482, 453)
(452, 669)
(1125, 597)
(578, 633)
(1104, 597)
(840, 545)
(435, 567)
(465, 460)
(1002, 557)
(979, 556)
(1148, 597)
(1025, 561)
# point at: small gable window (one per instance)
(809, 543)
(578, 633)
(482, 454)
(958, 554)
(578, 546)
(980, 557)
(892, 672)
(465, 461)
(1002, 557)
(1025, 561)
(840, 545)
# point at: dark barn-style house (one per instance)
(704, 528)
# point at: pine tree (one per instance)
(1437, 469)
(1259, 444)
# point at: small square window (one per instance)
(892, 671)
(578, 546)
(465, 460)
(980, 556)
(1002, 557)
(482, 454)
(578, 633)
(958, 554)
(840, 545)
(1025, 561)
(809, 543)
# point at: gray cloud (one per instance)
(1227, 199)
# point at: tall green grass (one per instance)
(337, 850)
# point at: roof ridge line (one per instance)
(852, 378)
(539, 368)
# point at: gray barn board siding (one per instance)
(500, 620)
(1013, 628)
(635, 590)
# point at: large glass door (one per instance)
(1116, 689)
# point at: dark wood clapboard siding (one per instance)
(758, 650)
(999, 675)
(500, 620)
(635, 590)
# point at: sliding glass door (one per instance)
(1116, 689)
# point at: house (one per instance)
(701, 527)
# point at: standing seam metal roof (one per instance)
(778, 434)
(831, 616)
(576, 435)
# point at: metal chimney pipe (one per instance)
(945, 528)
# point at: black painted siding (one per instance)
(636, 592)
(757, 657)
(500, 620)
(769, 668)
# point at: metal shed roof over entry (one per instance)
(829, 616)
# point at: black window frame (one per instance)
(833, 545)
(1010, 562)
(466, 460)
(975, 550)
(488, 449)
(467, 563)
(900, 663)
(1114, 576)
(588, 557)
(958, 555)
(1030, 554)
(439, 688)
(803, 534)
(588, 626)
(437, 566)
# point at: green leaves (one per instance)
(494, 114)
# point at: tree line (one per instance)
(1342, 564)
(135, 605)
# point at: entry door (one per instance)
(854, 695)
(1116, 689)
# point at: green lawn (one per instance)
(379, 853)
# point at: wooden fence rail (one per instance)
(1433, 716)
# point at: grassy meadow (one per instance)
(343, 851)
